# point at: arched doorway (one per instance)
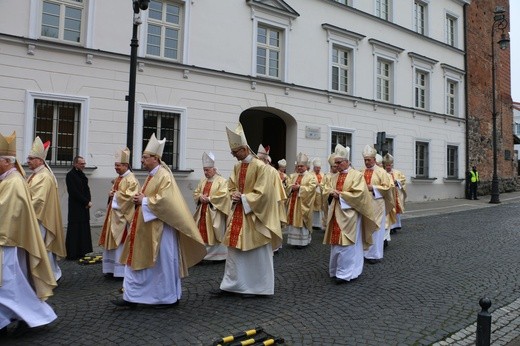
(272, 127)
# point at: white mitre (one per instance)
(208, 160)
(369, 151)
(122, 156)
(154, 146)
(341, 152)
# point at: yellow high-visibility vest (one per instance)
(474, 176)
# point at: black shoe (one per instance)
(385, 244)
(220, 293)
(339, 281)
(123, 303)
(21, 329)
(476, 199)
(371, 260)
(165, 306)
(393, 231)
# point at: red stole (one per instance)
(202, 222)
(368, 175)
(134, 224)
(292, 204)
(398, 209)
(336, 230)
(109, 209)
(238, 214)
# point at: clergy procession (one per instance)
(150, 237)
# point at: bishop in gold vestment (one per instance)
(120, 212)
(26, 278)
(380, 185)
(253, 229)
(213, 207)
(163, 241)
(301, 191)
(45, 200)
(350, 221)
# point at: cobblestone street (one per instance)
(425, 291)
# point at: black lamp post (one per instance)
(499, 22)
(138, 5)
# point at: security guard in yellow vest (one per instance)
(473, 185)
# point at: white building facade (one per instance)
(300, 75)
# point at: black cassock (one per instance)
(78, 240)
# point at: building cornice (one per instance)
(253, 81)
(396, 26)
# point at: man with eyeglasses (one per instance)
(350, 221)
(254, 229)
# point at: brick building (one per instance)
(479, 26)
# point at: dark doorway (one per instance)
(268, 129)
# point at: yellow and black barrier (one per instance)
(256, 336)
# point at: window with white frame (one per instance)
(268, 51)
(451, 97)
(58, 122)
(384, 80)
(516, 128)
(63, 20)
(164, 125)
(341, 69)
(421, 92)
(451, 30)
(384, 9)
(164, 31)
(421, 159)
(340, 137)
(452, 162)
(420, 14)
(423, 67)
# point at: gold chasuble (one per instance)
(115, 229)
(166, 202)
(341, 223)
(318, 200)
(46, 203)
(301, 202)
(19, 227)
(381, 180)
(400, 193)
(262, 225)
(209, 217)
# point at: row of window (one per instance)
(422, 153)
(60, 122)
(61, 19)
(384, 10)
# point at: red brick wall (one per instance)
(479, 24)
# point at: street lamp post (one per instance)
(137, 5)
(499, 22)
